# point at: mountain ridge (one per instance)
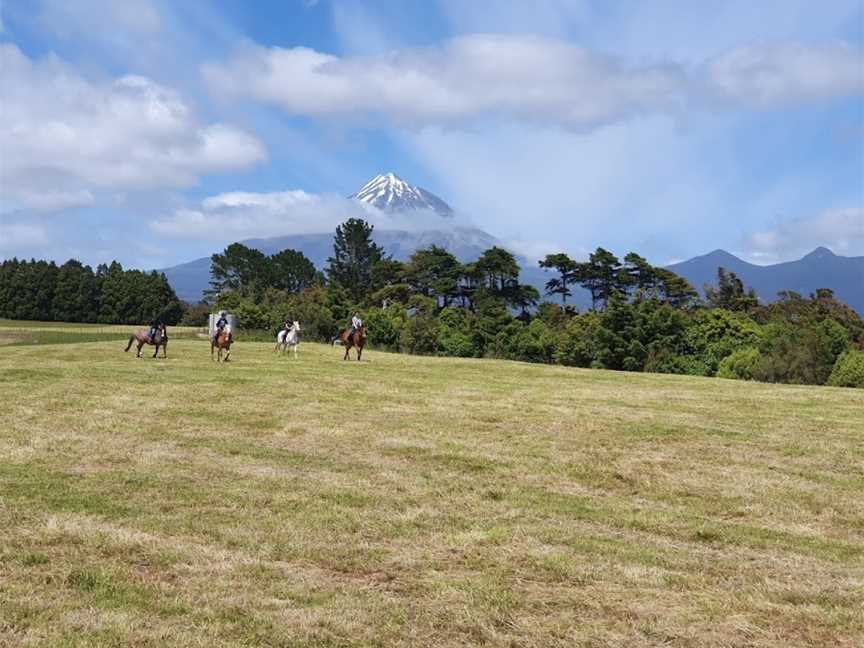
(821, 268)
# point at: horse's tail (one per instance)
(129, 346)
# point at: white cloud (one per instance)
(841, 230)
(528, 78)
(16, 236)
(238, 215)
(521, 76)
(771, 75)
(65, 138)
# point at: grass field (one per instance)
(408, 501)
(15, 332)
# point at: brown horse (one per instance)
(222, 342)
(143, 337)
(348, 339)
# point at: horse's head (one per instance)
(296, 326)
(226, 331)
(363, 332)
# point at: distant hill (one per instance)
(819, 269)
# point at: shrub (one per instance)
(578, 344)
(384, 326)
(253, 317)
(455, 333)
(714, 334)
(800, 354)
(532, 343)
(665, 361)
(743, 364)
(420, 333)
(848, 370)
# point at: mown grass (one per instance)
(412, 501)
(26, 333)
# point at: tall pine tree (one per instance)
(354, 256)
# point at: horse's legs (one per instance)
(295, 351)
(140, 344)
(359, 353)
(164, 350)
(347, 349)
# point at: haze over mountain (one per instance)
(389, 193)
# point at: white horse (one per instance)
(289, 338)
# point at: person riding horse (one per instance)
(356, 324)
(221, 323)
(156, 325)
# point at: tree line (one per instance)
(642, 318)
(73, 292)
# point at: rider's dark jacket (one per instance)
(155, 325)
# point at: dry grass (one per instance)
(420, 502)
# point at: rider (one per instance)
(356, 323)
(221, 323)
(289, 324)
(155, 325)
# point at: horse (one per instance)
(222, 341)
(143, 337)
(289, 338)
(348, 339)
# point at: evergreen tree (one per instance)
(291, 271)
(76, 296)
(239, 268)
(674, 289)
(566, 268)
(354, 256)
(434, 272)
(640, 276)
(497, 270)
(730, 293)
(602, 276)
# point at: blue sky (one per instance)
(154, 131)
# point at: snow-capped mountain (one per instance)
(389, 192)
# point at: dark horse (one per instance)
(143, 337)
(221, 341)
(348, 339)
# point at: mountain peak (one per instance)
(820, 252)
(719, 253)
(389, 192)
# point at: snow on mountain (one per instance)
(389, 192)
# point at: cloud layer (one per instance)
(528, 78)
(65, 138)
(239, 215)
(841, 230)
